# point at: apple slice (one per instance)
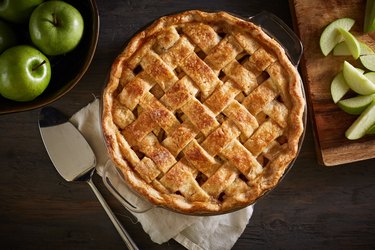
(351, 42)
(331, 36)
(358, 82)
(369, 22)
(339, 87)
(365, 49)
(368, 61)
(371, 130)
(356, 105)
(362, 124)
(370, 76)
(341, 49)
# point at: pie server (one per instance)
(73, 157)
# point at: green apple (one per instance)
(24, 73)
(351, 42)
(370, 76)
(371, 130)
(17, 11)
(341, 49)
(7, 36)
(56, 27)
(357, 104)
(368, 61)
(365, 49)
(358, 82)
(331, 35)
(339, 87)
(362, 124)
(369, 21)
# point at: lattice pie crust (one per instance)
(202, 112)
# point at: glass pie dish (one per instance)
(272, 139)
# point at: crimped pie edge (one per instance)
(295, 122)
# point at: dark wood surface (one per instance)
(330, 121)
(314, 207)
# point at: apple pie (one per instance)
(202, 112)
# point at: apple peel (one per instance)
(362, 124)
(358, 82)
(356, 105)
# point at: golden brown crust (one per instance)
(202, 112)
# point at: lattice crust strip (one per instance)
(202, 112)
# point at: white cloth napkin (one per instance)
(193, 232)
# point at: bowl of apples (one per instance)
(45, 49)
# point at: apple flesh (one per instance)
(56, 27)
(339, 87)
(24, 73)
(362, 124)
(17, 11)
(341, 49)
(356, 105)
(368, 61)
(371, 130)
(370, 76)
(365, 49)
(7, 36)
(351, 42)
(331, 35)
(358, 82)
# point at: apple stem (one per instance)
(55, 20)
(39, 65)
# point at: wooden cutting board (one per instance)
(330, 122)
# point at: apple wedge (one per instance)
(371, 130)
(351, 42)
(362, 124)
(368, 61)
(356, 105)
(339, 87)
(370, 76)
(365, 49)
(358, 82)
(341, 49)
(331, 35)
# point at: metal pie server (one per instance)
(73, 157)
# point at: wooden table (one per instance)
(314, 206)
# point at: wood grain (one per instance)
(330, 122)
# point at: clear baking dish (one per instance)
(275, 28)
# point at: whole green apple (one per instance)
(56, 27)
(17, 11)
(24, 73)
(7, 36)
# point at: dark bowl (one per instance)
(68, 69)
